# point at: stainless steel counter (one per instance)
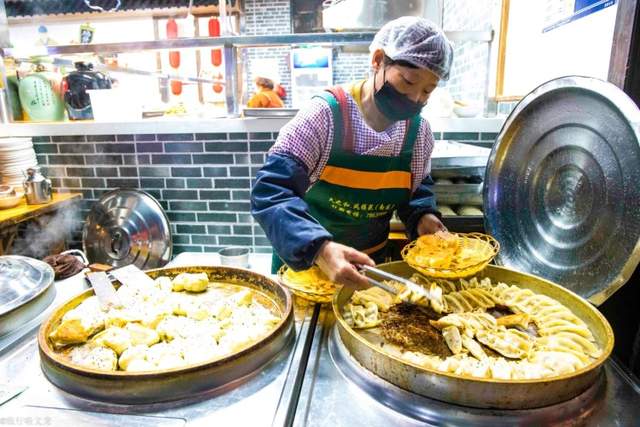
(261, 399)
(338, 392)
(313, 382)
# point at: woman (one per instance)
(265, 97)
(350, 158)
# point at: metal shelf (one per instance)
(236, 41)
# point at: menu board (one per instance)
(311, 72)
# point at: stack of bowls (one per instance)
(16, 156)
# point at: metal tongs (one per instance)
(413, 287)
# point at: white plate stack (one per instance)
(16, 156)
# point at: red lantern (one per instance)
(172, 33)
(176, 87)
(214, 31)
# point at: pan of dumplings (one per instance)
(187, 331)
(501, 339)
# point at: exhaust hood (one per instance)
(370, 15)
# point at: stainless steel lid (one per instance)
(21, 280)
(561, 187)
(127, 227)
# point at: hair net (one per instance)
(417, 41)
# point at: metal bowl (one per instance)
(172, 384)
(478, 392)
(235, 256)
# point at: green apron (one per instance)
(356, 194)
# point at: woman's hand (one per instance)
(337, 262)
(430, 224)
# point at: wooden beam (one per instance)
(623, 37)
(140, 13)
(502, 48)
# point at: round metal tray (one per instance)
(561, 188)
(477, 392)
(25, 290)
(173, 384)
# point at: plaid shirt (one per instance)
(309, 136)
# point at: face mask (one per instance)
(394, 105)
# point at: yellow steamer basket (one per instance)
(311, 291)
(484, 246)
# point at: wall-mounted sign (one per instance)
(311, 72)
(561, 12)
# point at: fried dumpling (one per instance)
(381, 298)
(133, 354)
(115, 338)
(142, 335)
(470, 323)
(510, 343)
(521, 319)
(566, 341)
(557, 361)
(428, 296)
(474, 348)
(190, 282)
(165, 356)
(363, 316)
(79, 324)
(94, 357)
(469, 300)
(453, 339)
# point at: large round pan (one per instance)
(476, 392)
(173, 384)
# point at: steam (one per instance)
(41, 236)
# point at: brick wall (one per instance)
(349, 66)
(468, 79)
(202, 180)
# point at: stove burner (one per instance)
(436, 412)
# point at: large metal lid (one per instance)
(561, 187)
(21, 280)
(127, 227)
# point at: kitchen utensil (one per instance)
(153, 387)
(235, 257)
(75, 85)
(414, 287)
(561, 187)
(466, 110)
(25, 290)
(467, 390)
(127, 227)
(8, 202)
(104, 290)
(37, 188)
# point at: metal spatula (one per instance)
(104, 290)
